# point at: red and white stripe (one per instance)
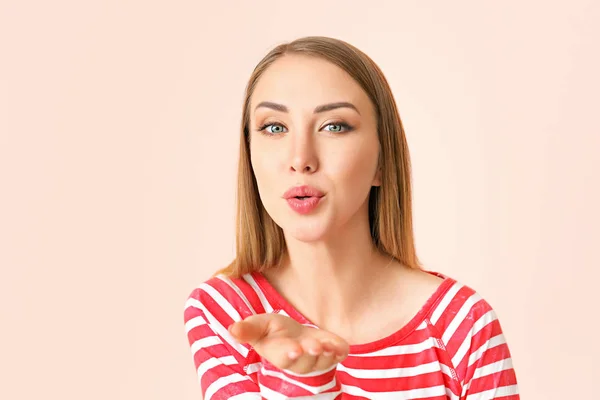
(458, 351)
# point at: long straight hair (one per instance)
(260, 243)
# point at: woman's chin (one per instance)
(307, 233)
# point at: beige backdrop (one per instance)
(118, 143)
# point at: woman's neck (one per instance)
(330, 279)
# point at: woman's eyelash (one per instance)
(346, 127)
(265, 126)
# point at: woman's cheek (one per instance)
(268, 177)
(264, 162)
(355, 169)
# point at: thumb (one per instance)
(250, 330)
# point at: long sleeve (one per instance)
(316, 385)
(478, 357)
(218, 362)
(227, 369)
(489, 369)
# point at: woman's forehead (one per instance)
(300, 82)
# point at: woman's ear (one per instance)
(377, 178)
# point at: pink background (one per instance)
(118, 144)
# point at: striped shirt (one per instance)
(453, 348)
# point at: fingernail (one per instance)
(313, 352)
(293, 354)
(327, 353)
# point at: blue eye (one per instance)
(275, 129)
(272, 128)
(338, 127)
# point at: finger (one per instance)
(244, 332)
(283, 352)
(311, 350)
(328, 348)
(339, 347)
(327, 359)
(251, 329)
(342, 348)
(312, 346)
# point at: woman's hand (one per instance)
(289, 345)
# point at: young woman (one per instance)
(326, 298)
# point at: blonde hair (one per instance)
(260, 242)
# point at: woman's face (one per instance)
(312, 125)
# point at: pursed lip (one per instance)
(302, 191)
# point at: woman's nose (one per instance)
(303, 157)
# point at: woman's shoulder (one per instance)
(466, 327)
(456, 305)
(227, 298)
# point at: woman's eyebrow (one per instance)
(318, 109)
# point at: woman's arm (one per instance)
(219, 365)
(487, 367)
(228, 369)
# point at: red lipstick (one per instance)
(303, 199)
